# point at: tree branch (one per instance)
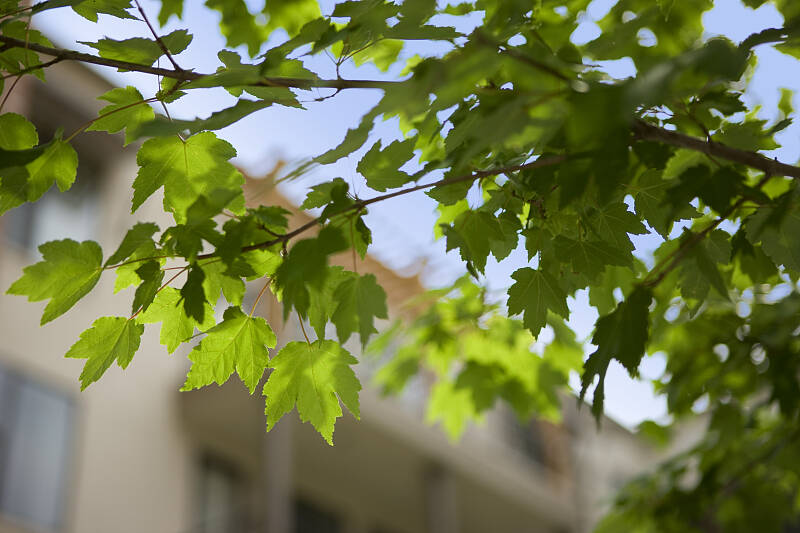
(187, 75)
(357, 206)
(647, 132)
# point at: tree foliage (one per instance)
(525, 140)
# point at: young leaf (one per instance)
(533, 293)
(111, 338)
(237, 343)
(67, 272)
(312, 376)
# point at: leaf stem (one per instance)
(303, 328)
(87, 124)
(260, 294)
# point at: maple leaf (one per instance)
(315, 377)
(68, 271)
(176, 326)
(533, 293)
(622, 335)
(111, 338)
(187, 170)
(127, 111)
(379, 167)
(237, 343)
(140, 50)
(360, 300)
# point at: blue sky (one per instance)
(402, 227)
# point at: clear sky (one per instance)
(402, 227)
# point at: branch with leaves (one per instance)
(523, 141)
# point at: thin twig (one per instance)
(156, 37)
(357, 206)
(669, 263)
(32, 68)
(88, 123)
(647, 132)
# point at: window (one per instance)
(55, 215)
(222, 497)
(35, 447)
(308, 518)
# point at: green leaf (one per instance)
(353, 140)
(151, 275)
(162, 127)
(379, 167)
(613, 222)
(128, 111)
(291, 15)
(472, 232)
(322, 303)
(168, 9)
(218, 281)
(67, 272)
(305, 266)
(58, 164)
(777, 229)
(590, 257)
(176, 326)
(193, 295)
(25, 175)
(239, 25)
(452, 406)
(533, 293)
(111, 338)
(623, 336)
(140, 50)
(360, 300)
(90, 9)
(187, 170)
(16, 133)
(140, 235)
(329, 192)
(315, 377)
(237, 343)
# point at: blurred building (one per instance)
(132, 454)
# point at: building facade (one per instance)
(132, 454)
